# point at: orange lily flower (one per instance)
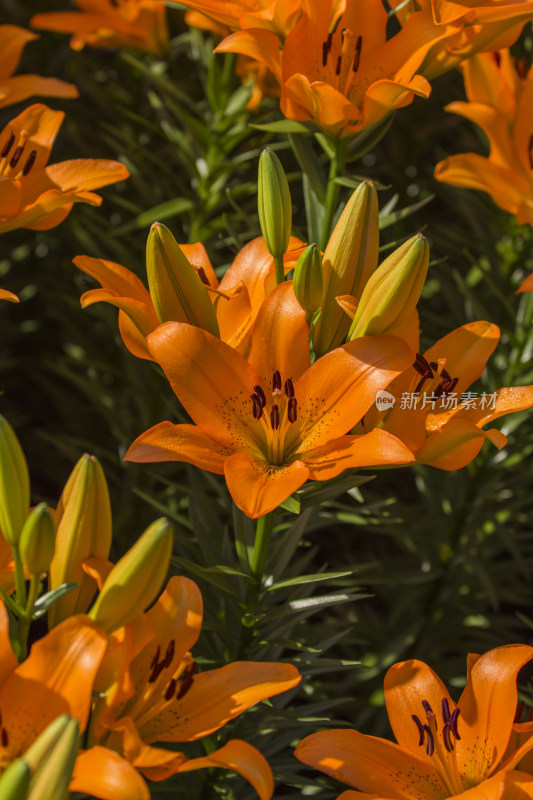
(155, 695)
(141, 24)
(237, 298)
(444, 749)
(34, 195)
(56, 678)
(435, 415)
(337, 68)
(271, 421)
(500, 95)
(277, 16)
(481, 27)
(14, 89)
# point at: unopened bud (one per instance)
(308, 279)
(37, 540)
(350, 258)
(176, 289)
(83, 520)
(393, 291)
(54, 772)
(274, 204)
(136, 579)
(15, 781)
(14, 484)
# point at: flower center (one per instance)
(441, 748)
(441, 383)
(12, 165)
(282, 412)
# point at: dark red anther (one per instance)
(430, 743)
(357, 54)
(427, 708)
(421, 365)
(30, 161)
(155, 659)
(274, 417)
(5, 740)
(339, 65)
(261, 395)
(452, 385)
(325, 52)
(257, 409)
(276, 381)
(289, 388)
(8, 145)
(203, 277)
(187, 680)
(292, 409)
(16, 155)
(156, 672)
(171, 689)
(169, 655)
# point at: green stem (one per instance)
(263, 531)
(20, 581)
(280, 270)
(332, 194)
(25, 622)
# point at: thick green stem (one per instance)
(263, 532)
(332, 194)
(20, 581)
(280, 270)
(25, 622)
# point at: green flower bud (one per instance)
(308, 279)
(14, 484)
(350, 258)
(83, 520)
(52, 779)
(136, 579)
(37, 540)
(274, 204)
(393, 291)
(15, 781)
(176, 289)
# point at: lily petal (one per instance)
(102, 773)
(216, 696)
(371, 765)
(487, 708)
(257, 487)
(188, 443)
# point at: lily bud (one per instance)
(54, 773)
(274, 204)
(350, 258)
(308, 279)
(37, 540)
(14, 484)
(393, 291)
(15, 781)
(83, 520)
(136, 579)
(176, 289)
